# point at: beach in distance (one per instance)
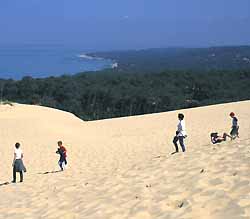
(123, 168)
(41, 61)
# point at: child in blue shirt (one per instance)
(235, 127)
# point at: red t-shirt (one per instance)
(64, 150)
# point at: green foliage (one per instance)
(199, 59)
(110, 93)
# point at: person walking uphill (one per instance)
(180, 134)
(235, 127)
(17, 164)
(63, 154)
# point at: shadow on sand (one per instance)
(49, 172)
(4, 184)
(175, 152)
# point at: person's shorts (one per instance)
(217, 141)
(234, 131)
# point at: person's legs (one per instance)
(181, 140)
(225, 136)
(234, 132)
(21, 176)
(175, 143)
(237, 131)
(14, 174)
(60, 163)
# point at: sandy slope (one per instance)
(122, 168)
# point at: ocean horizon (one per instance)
(37, 61)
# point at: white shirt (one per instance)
(181, 128)
(18, 152)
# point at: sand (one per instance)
(122, 168)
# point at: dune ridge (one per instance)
(122, 168)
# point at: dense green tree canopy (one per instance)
(112, 93)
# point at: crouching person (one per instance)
(215, 138)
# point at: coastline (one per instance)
(40, 62)
(94, 56)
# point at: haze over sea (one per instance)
(41, 61)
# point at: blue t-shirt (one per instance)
(235, 122)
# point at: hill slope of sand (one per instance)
(122, 168)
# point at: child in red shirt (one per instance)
(63, 154)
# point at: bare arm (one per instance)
(14, 158)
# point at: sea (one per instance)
(41, 61)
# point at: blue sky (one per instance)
(125, 24)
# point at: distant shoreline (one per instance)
(40, 62)
(92, 56)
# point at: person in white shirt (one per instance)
(17, 164)
(180, 134)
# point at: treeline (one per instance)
(111, 93)
(199, 59)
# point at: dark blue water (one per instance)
(43, 61)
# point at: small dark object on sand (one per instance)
(181, 205)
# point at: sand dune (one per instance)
(122, 168)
